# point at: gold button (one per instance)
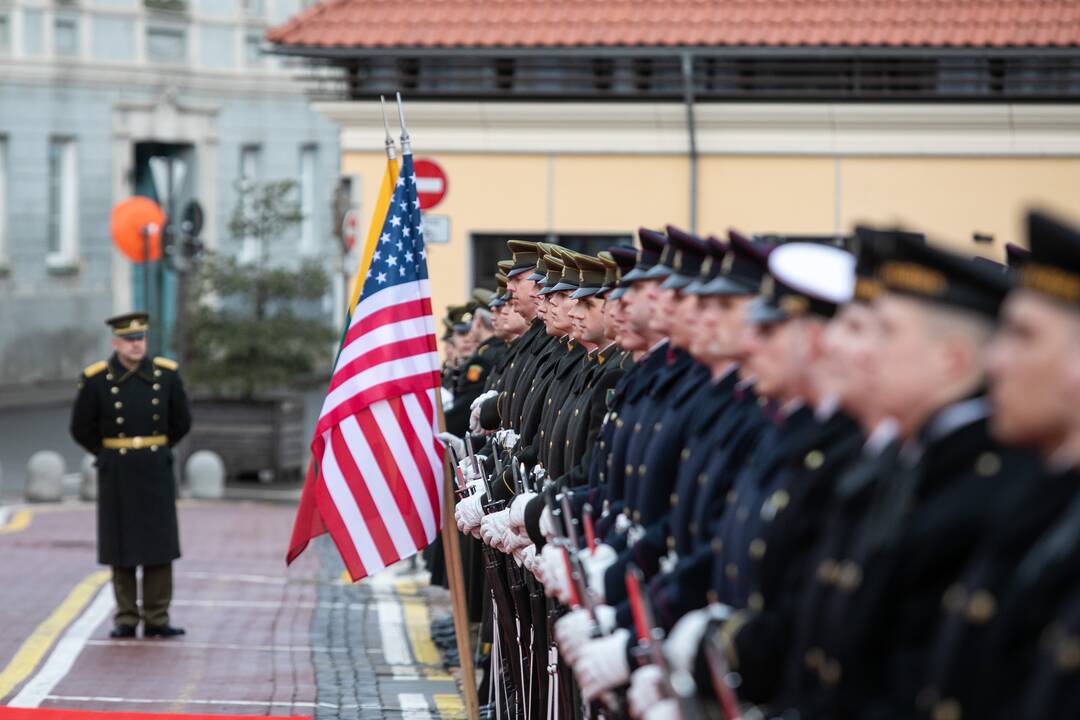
(674, 499)
(780, 499)
(157, 373)
(121, 435)
(988, 464)
(658, 427)
(637, 427)
(541, 433)
(637, 516)
(602, 445)
(731, 570)
(641, 469)
(119, 421)
(114, 390)
(618, 423)
(685, 454)
(137, 442)
(948, 709)
(123, 451)
(153, 448)
(155, 401)
(954, 598)
(1067, 655)
(717, 545)
(670, 542)
(118, 404)
(692, 527)
(981, 607)
(712, 597)
(629, 469)
(549, 401)
(732, 496)
(157, 386)
(814, 459)
(109, 376)
(757, 549)
(157, 417)
(702, 479)
(850, 577)
(742, 514)
(814, 658)
(567, 443)
(831, 672)
(756, 602)
(827, 571)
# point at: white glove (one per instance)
(682, 644)
(482, 398)
(517, 510)
(474, 411)
(468, 513)
(453, 441)
(602, 664)
(547, 525)
(493, 529)
(556, 582)
(516, 541)
(645, 690)
(539, 475)
(534, 561)
(622, 523)
(525, 556)
(447, 399)
(575, 629)
(663, 710)
(507, 438)
(596, 565)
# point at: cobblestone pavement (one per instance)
(262, 640)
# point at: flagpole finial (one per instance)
(406, 141)
(391, 150)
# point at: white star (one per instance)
(385, 237)
(395, 221)
(400, 181)
(392, 260)
(376, 256)
(406, 232)
(416, 203)
(403, 206)
(399, 245)
(420, 230)
(408, 257)
(423, 254)
(401, 271)
(412, 178)
(381, 278)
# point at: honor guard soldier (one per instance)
(129, 414)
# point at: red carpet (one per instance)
(24, 714)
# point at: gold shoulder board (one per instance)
(166, 363)
(96, 368)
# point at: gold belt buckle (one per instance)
(137, 442)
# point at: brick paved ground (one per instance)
(262, 640)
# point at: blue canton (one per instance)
(399, 256)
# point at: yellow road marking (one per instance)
(38, 644)
(19, 521)
(450, 707)
(418, 627)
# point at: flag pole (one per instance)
(450, 536)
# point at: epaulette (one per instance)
(96, 368)
(166, 363)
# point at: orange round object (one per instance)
(136, 226)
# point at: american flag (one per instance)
(377, 477)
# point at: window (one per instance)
(3, 206)
(250, 156)
(5, 34)
(166, 45)
(253, 56)
(307, 198)
(63, 202)
(66, 37)
(255, 7)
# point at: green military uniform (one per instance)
(129, 420)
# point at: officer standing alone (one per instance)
(129, 413)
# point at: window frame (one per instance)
(66, 255)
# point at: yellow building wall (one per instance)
(948, 198)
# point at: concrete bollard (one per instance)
(45, 477)
(205, 473)
(88, 481)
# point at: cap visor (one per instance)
(564, 286)
(676, 282)
(725, 286)
(617, 293)
(514, 272)
(762, 313)
(585, 292)
(535, 277)
(658, 271)
(638, 273)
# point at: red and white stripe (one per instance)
(379, 459)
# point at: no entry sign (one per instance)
(430, 183)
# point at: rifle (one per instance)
(461, 487)
(718, 673)
(590, 532)
(476, 466)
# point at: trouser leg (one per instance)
(157, 594)
(127, 601)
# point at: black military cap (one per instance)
(919, 270)
(611, 273)
(690, 252)
(665, 265)
(525, 256)
(592, 272)
(715, 250)
(130, 326)
(805, 278)
(1015, 256)
(499, 298)
(652, 246)
(871, 246)
(626, 258)
(1053, 268)
(742, 268)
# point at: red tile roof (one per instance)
(625, 23)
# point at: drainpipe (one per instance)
(691, 131)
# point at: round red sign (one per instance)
(430, 183)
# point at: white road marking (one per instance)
(395, 644)
(5, 513)
(414, 706)
(229, 577)
(182, 644)
(65, 653)
(240, 703)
